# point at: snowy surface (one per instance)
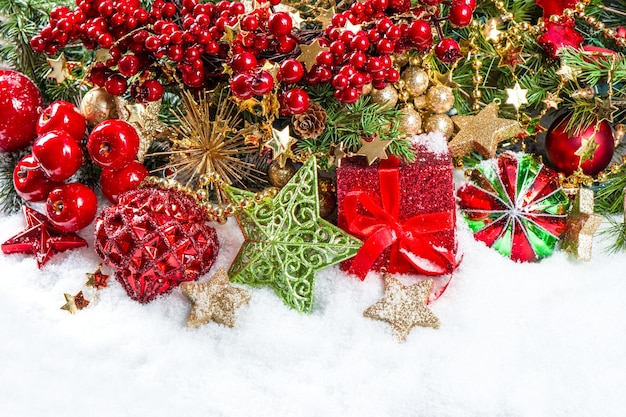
(545, 339)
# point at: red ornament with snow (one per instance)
(156, 239)
(592, 149)
(20, 104)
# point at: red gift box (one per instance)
(408, 225)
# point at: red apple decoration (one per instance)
(29, 180)
(113, 144)
(20, 104)
(62, 115)
(562, 148)
(58, 155)
(114, 183)
(71, 207)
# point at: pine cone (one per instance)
(311, 123)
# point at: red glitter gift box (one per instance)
(404, 213)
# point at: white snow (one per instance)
(544, 339)
(435, 142)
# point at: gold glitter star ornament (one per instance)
(216, 300)
(404, 307)
(482, 132)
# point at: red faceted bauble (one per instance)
(564, 151)
(20, 105)
(156, 239)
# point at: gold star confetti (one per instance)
(74, 303)
(145, 119)
(445, 80)
(349, 27)
(516, 96)
(97, 280)
(510, 56)
(490, 30)
(482, 132)
(280, 144)
(582, 224)
(604, 109)
(309, 53)
(102, 55)
(337, 155)
(552, 100)
(587, 148)
(59, 70)
(568, 72)
(216, 300)
(374, 149)
(325, 16)
(230, 32)
(272, 68)
(404, 307)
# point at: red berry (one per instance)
(291, 71)
(128, 65)
(447, 50)
(29, 180)
(261, 83)
(113, 144)
(296, 101)
(116, 85)
(470, 3)
(62, 115)
(380, 5)
(114, 183)
(20, 104)
(402, 6)
(420, 33)
(280, 24)
(243, 62)
(71, 207)
(350, 95)
(249, 23)
(240, 86)
(58, 155)
(460, 15)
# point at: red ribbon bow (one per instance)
(410, 241)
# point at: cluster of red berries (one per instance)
(56, 157)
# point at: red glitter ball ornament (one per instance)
(20, 105)
(156, 239)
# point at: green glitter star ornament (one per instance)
(287, 242)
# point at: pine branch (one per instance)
(10, 202)
(616, 232)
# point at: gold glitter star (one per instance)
(482, 132)
(216, 300)
(552, 100)
(145, 119)
(97, 280)
(490, 30)
(309, 53)
(516, 96)
(102, 55)
(604, 109)
(74, 303)
(280, 144)
(404, 307)
(374, 149)
(59, 70)
(587, 148)
(510, 56)
(568, 72)
(582, 224)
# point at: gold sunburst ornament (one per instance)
(210, 138)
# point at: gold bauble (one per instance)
(419, 102)
(410, 120)
(441, 123)
(97, 106)
(367, 88)
(387, 97)
(327, 197)
(400, 60)
(279, 176)
(415, 81)
(440, 99)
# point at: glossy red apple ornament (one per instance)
(113, 144)
(20, 104)
(58, 155)
(71, 207)
(62, 115)
(564, 150)
(114, 183)
(29, 180)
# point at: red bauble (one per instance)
(113, 144)
(555, 7)
(62, 115)
(562, 148)
(156, 239)
(58, 155)
(20, 104)
(558, 36)
(115, 183)
(29, 180)
(71, 207)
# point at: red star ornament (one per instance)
(559, 36)
(551, 7)
(41, 238)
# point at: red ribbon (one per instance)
(410, 241)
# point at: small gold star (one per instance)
(308, 54)
(568, 72)
(604, 109)
(145, 119)
(58, 69)
(445, 80)
(404, 307)
(97, 280)
(516, 96)
(103, 55)
(552, 100)
(587, 149)
(582, 225)
(490, 30)
(337, 155)
(216, 300)
(74, 303)
(349, 27)
(272, 68)
(280, 144)
(374, 149)
(325, 16)
(230, 32)
(510, 56)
